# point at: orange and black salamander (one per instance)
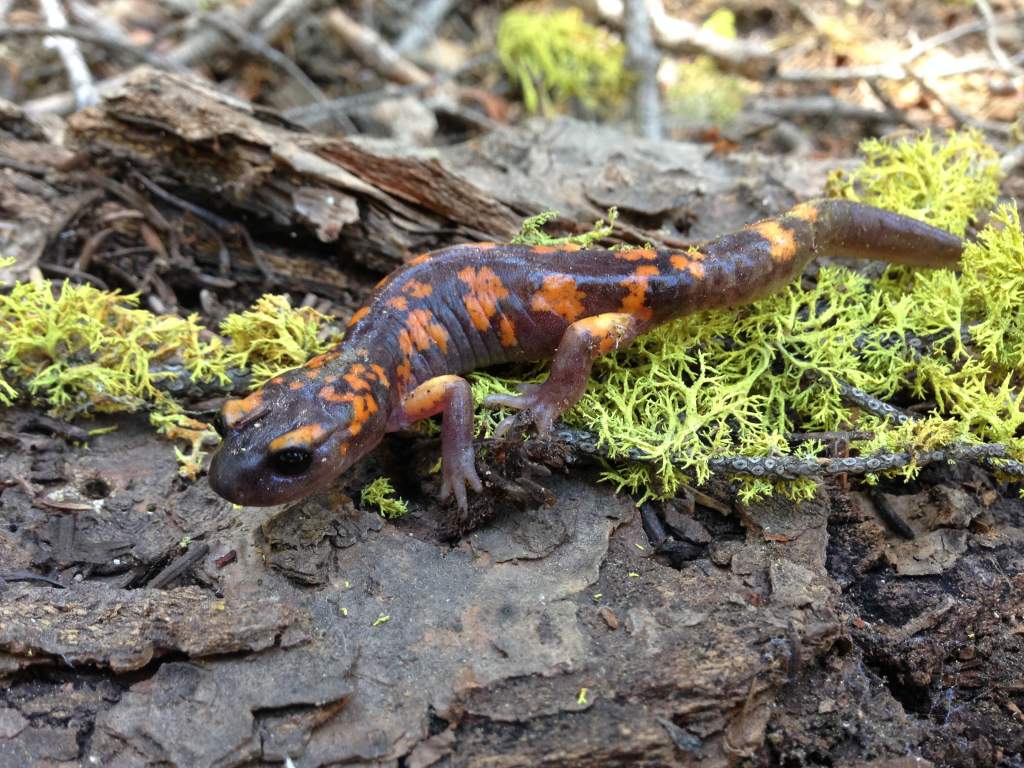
(468, 306)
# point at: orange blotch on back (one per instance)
(419, 259)
(418, 289)
(558, 294)
(237, 411)
(805, 212)
(424, 330)
(544, 249)
(358, 315)
(637, 254)
(635, 301)
(507, 332)
(485, 290)
(399, 302)
(781, 241)
(690, 262)
(357, 378)
(403, 372)
(309, 436)
(363, 406)
(379, 372)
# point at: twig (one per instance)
(793, 467)
(679, 36)
(896, 69)
(876, 407)
(259, 47)
(374, 51)
(79, 76)
(94, 38)
(268, 17)
(643, 59)
(959, 116)
(1009, 162)
(312, 112)
(181, 565)
(992, 41)
(825, 106)
(219, 224)
(422, 23)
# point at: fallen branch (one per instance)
(374, 51)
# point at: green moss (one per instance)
(555, 57)
(945, 183)
(722, 22)
(381, 494)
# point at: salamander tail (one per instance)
(846, 228)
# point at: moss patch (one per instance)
(555, 58)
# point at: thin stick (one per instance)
(259, 47)
(992, 41)
(896, 69)
(79, 76)
(680, 36)
(422, 24)
(374, 51)
(94, 38)
(268, 17)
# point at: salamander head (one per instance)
(299, 433)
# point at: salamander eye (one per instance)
(291, 461)
(218, 424)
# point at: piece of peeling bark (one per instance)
(125, 630)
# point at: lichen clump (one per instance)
(381, 494)
(78, 350)
(555, 58)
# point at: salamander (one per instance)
(464, 307)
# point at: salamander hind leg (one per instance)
(583, 342)
(451, 396)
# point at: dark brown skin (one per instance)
(469, 306)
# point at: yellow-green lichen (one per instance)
(945, 183)
(272, 337)
(81, 350)
(381, 494)
(555, 57)
(78, 350)
(532, 231)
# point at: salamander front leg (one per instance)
(581, 344)
(451, 396)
